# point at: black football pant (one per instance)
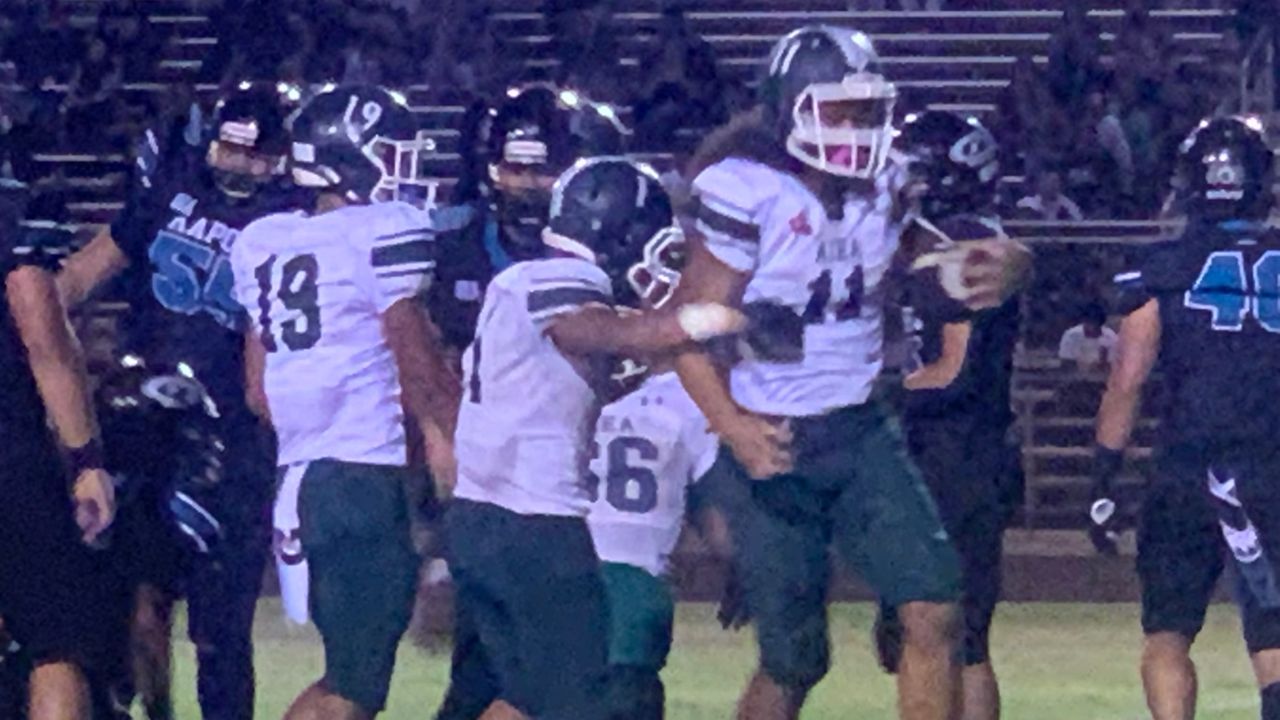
(221, 588)
(221, 598)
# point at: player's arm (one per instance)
(255, 368)
(942, 372)
(599, 329)
(57, 364)
(1136, 353)
(122, 242)
(430, 389)
(706, 279)
(402, 260)
(760, 444)
(90, 268)
(1138, 347)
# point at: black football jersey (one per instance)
(982, 390)
(1218, 289)
(469, 256)
(177, 229)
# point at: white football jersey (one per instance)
(528, 410)
(767, 224)
(315, 288)
(649, 447)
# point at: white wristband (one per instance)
(703, 321)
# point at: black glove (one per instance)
(775, 333)
(1104, 513)
(733, 613)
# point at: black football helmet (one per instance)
(527, 142)
(248, 143)
(614, 212)
(953, 164)
(827, 97)
(362, 142)
(1225, 170)
(159, 432)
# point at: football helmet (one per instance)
(1226, 169)
(248, 143)
(952, 164)
(826, 96)
(362, 142)
(614, 212)
(159, 432)
(655, 277)
(528, 141)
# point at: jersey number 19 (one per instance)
(295, 285)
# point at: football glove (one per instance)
(1104, 512)
(775, 332)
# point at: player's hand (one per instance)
(761, 445)
(993, 270)
(1104, 515)
(980, 274)
(94, 494)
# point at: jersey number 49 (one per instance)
(1230, 294)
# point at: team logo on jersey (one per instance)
(800, 224)
(174, 391)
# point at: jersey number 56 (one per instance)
(629, 488)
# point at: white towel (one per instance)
(291, 559)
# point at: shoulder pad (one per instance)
(1134, 288)
(744, 184)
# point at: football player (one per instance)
(957, 412)
(170, 246)
(649, 448)
(531, 625)
(1208, 304)
(343, 339)
(795, 210)
(56, 499)
(518, 150)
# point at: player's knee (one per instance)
(929, 626)
(1266, 666)
(1166, 647)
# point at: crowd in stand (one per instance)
(1086, 129)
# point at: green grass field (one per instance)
(1057, 662)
